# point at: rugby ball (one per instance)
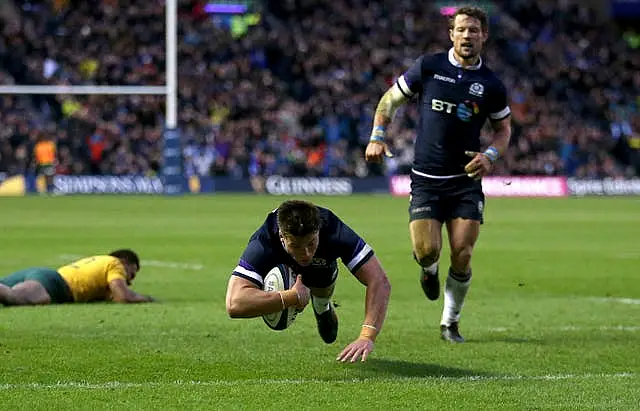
(280, 278)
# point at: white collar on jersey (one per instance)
(455, 63)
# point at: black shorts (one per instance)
(446, 199)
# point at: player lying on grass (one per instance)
(309, 239)
(97, 278)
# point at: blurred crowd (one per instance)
(292, 90)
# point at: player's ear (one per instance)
(451, 34)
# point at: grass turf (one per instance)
(551, 320)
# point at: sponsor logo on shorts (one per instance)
(420, 210)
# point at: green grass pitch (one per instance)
(552, 319)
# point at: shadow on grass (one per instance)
(416, 369)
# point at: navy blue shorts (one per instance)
(446, 199)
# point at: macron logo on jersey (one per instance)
(444, 78)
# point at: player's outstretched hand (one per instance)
(303, 293)
(360, 348)
(479, 166)
(376, 151)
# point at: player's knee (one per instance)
(426, 253)
(461, 255)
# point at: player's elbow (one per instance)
(233, 311)
(236, 312)
(234, 308)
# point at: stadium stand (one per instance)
(292, 92)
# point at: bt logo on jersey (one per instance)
(464, 111)
(439, 105)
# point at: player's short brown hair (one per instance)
(127, 255)
(475, 12)
(297, 218)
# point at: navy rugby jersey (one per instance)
(454, 104)
(337, 240)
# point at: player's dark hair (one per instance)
(127, 255)
(475, 12)
(297, 218)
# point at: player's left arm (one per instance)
(371, 275)
(359, 258)
(364, 265)
(501, 135)
(500, 119)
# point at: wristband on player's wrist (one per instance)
(377, 134)
(492, 154)
(368, 332)
(289, 298)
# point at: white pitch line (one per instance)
(302, 381)
(603, 328)
(172, 264)
(575, 328)
(148, 263)
(628, 256)
(183, 334)
(632, 301)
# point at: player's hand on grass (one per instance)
(376, 151)
(479, 166)
(303, 293)
(359, 349)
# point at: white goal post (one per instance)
(172, 152)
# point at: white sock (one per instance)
(455, 292)
(320, 305)
(432, 269)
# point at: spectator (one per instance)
(290, 89)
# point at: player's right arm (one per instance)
(405, 87)
(245, 295)
(246, 300)
(121, 293)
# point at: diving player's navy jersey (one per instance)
(337, 240)
(454, 104)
